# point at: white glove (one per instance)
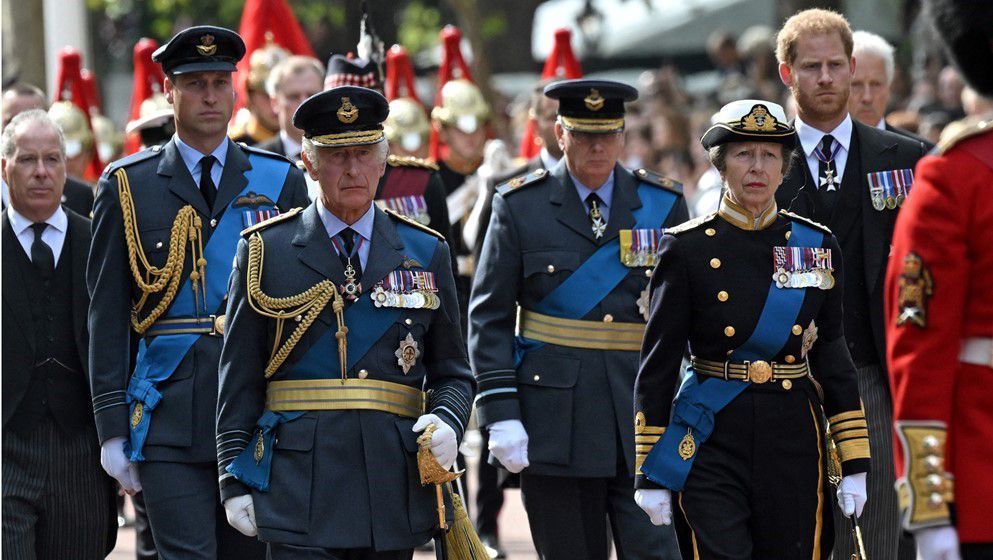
(657, 504)
(938, 543)
(117, 465)
(444, 444)
(509, 444)
(852, 494)
(240, 511)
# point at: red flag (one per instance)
(260, 17)
(69, 86)
(561, 63)
(451, 61)
(148, 78)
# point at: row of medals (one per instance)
(419, 299)
(817, 278)
(880, 202)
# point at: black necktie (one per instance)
(597, 223)
(350, 255)
(41, 253)
(207, 188)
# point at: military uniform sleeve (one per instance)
(926, 287)
(679, 213)
(493, 317)
(449, 380)
(434, 198)
(241, 383)
(662, 351)
(832, 367)
(108, 279)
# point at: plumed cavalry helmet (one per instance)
(71, 119)
(262, 61)
(407, 124)
(461, 105)
(109, 139)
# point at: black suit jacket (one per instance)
(274, 145)
(878, 151)
(78, 197)
(18, 329)
(928, 146)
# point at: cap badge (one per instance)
(207, 46)
(347, 113)
(594, 101)
(759, 120)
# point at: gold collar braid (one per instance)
(186, 228)
(738, 216)
(309, 304)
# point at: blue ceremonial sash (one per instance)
(366, 325)
(589, 284)
(697, 403)
(158, 360)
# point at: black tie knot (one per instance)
(827, 142)
(41, 254)
(592, 199)
(39, 228)
(348, 240)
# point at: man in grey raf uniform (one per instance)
(567, 256)
(165, 228)
(343, 343)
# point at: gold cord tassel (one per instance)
(462, 541)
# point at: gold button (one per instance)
(790, 359)
(158, 245)
(363, 373)
(608, 318)
(722, 296)
(407, 321)
(729, 331)
(551, 268)
(213, 222)
(710, 232)
(797, 329)
(787, 384)
(715, 263)
(537, 377)
(788, 234)
(648, 272)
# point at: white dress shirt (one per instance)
(54, 235)
(605, 192)
(191, 157)
(810, 139)
(290, 146)
(362, 226)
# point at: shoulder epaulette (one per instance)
(137, 157)
(266, 153)
(412, 223)
(301, 165)
(659, 181)
(411, 161)
(958, 131)
(691, 224)
(291, 213)
(520, 181)
(821, 227)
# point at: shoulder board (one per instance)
(147, 153)
(691, 224)
(412, 223)
(292, 213)
(257, 151)
(410, 161)
(301, 165)
(516, 183)
(659, 181)
(958, 131)
(798, 218)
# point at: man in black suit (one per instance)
(871, 83)
(289, 84)
(76, 195)
(57, 501)
(852, 178)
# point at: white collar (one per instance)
(191, 156)
(290, 146)
(334, 225)
(810, 137)
(881, 125)
(58, 220)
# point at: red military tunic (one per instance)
(939, 311)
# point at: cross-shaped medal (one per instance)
(828, 180)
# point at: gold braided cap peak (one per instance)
(413, 223)
(411, 161)
(292, 213)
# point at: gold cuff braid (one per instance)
(186, 228)
(926, 490)
(645, 437)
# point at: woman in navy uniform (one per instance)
(757, 295)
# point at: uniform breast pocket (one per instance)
(545, 270)
(155, 244)
(546, 390)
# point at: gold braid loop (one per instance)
(185, 228)
(309, 304)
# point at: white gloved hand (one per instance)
(444, 444)
(938, 543)
(240, 512)
(116, 464)
(656, 503)
(852, 494)
(509, 444)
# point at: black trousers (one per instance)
(292, 552)
(57, 501)
(489, 492)
(569, 519)
(758, 487)
(977, 551)
(187, 518)
(144, 543)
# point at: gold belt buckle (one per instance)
(759, 371)
(217, 325)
